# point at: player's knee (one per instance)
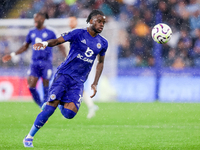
(69, 114)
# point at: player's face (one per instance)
(98, 22)
(38, 21)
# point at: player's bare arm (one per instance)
(21, 50)
(50, 43)
(99, 69)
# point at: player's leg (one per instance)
(43, 117)
(47, 72)
(68, 110)
(92, 108)
(32, 81)
(46, 89)
(72, 98)
(40, 121)
(34, 73)
(57, 92)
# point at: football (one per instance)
(161, 33)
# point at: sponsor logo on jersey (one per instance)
(53, 96)
(84, 58)
(89, 52)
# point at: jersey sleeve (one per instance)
(104, 49)
(70, 36)
(28, 38)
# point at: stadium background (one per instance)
(136, 68)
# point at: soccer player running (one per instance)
(92, 108)
(41, 64)
(67, 87)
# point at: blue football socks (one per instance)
(33, 131)
(36, 96)
(41, 119)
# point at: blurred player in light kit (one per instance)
(41, 63)
(68, 84)
(92, 108)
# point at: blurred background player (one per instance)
(41, 65)
(92, 108)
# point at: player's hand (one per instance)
(6, 58)
(94, 88)
(38, 46)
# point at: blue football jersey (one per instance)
(83, 50)
(37, 36)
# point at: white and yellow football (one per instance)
(161, 33)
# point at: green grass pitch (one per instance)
(116, 126)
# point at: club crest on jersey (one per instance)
(44, 35)
(63, 34)
(33, 35)
(53, 96)
(98, 45)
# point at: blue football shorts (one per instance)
(42, 69)
(66, 89)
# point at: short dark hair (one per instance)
(45, 15)
(94, 13)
